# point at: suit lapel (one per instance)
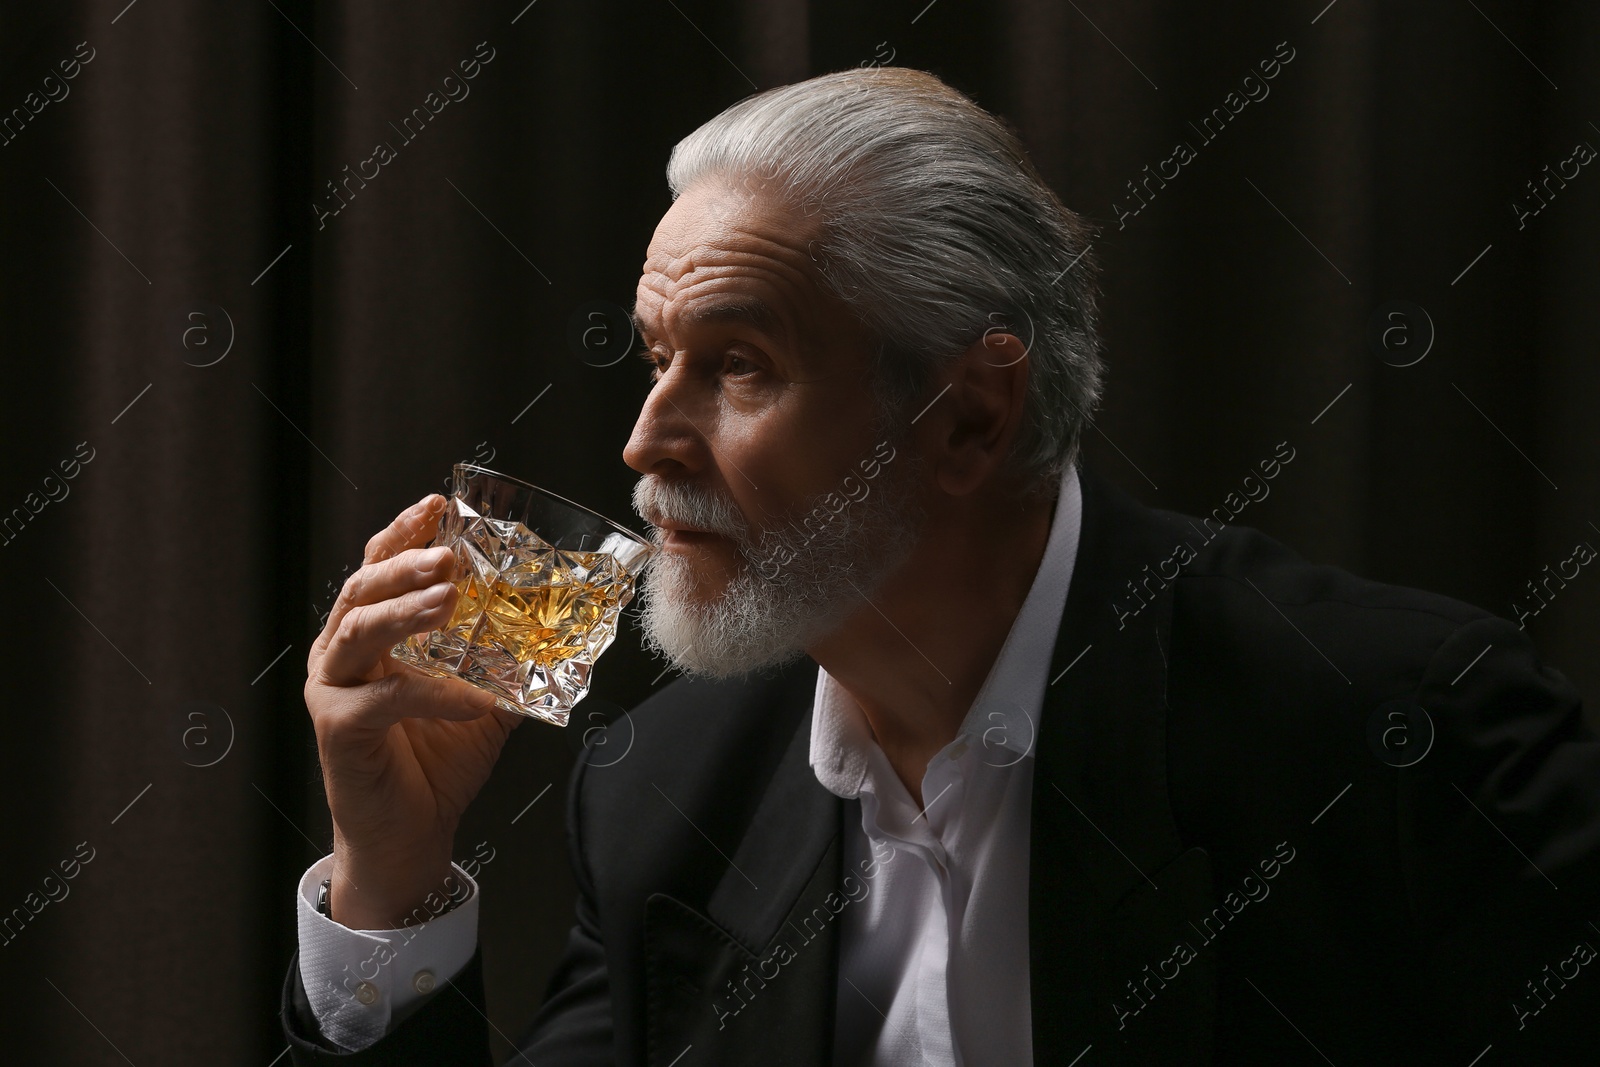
(1111, 888)
(752, 977)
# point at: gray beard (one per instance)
(763, 620)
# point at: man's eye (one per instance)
(737, 364)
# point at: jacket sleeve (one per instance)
(1499, 839)
(571, 1029)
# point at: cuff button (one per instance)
(422, 982)
(367, 993)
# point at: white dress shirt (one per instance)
(363, 983)
(933, 955)
(933, 965)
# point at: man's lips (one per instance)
(682, 537)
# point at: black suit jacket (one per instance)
(1226, 866)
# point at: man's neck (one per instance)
(916, 654)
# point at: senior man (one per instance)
(980, 761)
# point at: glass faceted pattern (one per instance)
(542, 582)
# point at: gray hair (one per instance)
(935, 229)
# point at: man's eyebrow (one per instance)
(751, 312)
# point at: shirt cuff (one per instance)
(362, 983)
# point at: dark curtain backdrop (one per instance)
(243, 393)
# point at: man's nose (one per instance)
(666, 439)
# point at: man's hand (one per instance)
(402, 753)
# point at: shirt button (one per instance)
(367, 993)
(422, 982)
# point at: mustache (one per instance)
(660, 503)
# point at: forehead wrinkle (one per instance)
(701, 287)
(753, 311)
(720, 284)
(783, 259)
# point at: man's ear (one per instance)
(972, 425)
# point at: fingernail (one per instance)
(434, 595)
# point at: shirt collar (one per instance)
(1005, 713)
